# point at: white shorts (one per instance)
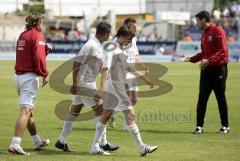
(132, 84)
(27, 89)
(86, 95)
(116, 98)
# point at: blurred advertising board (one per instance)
(188, 48)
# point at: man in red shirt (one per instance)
(214, 59)
(31, 52)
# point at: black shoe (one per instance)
(64, 147)
(198, 130)
(224, 130)
(109, 147)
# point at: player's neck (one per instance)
(99, 39)
(119, 40)
(206, 25)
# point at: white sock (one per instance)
(125, 123)
(99, 131)
(97, 119)
(104, 137)
(36, 139)
(67, 128)
(16, 141)
(103, 140)
(136, 134)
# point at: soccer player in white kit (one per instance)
(114, 83)
(133, 54)
(86, 67)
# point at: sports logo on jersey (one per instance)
(21, 44)
(210, 38)
(42, 43)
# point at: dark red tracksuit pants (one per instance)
(213, 78)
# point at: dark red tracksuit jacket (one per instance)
(214, 47)
(31, 53)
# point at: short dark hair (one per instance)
(103, 28)
(129, 20)
(33, 20)
(204, 15)
(125, 31)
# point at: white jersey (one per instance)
(132, 53)
(90, 57)
(115, 97)
(116, 62)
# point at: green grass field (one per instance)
(172, 132)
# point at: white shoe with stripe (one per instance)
(98, 151)
(17, 150)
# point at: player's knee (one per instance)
(107, 114)
(134, 101)
(98, 110)
(75, 109)
(25, 111)
(130, 117)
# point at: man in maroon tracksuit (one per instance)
(31, 52)
(214, 59)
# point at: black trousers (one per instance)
(213, 78)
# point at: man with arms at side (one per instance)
(86, 67)
(31, 52)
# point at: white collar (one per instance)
(95, 39)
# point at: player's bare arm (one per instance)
(145, 68)
(104, 74)
(75, 76)
(142, 76)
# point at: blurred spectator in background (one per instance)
(186, 37)
(59, 34)
(216, 13)
(225, 12)
(73, 35)
(230, 38)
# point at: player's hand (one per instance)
(150, 83)
(146, 69)
(44, 81)
(74, 90)
(49, 46)
(204, 63)
(185, 59)
(98, 96)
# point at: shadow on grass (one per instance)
(141, 130)
(174, 132)
(79, 129)
(76, 153)
(4, 152)
(57, 152)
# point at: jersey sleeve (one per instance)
(222, 48)
(83, 53)
(136, 50)
(40, 55)
(107, 59)
(134, 43)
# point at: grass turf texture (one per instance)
(171, 131)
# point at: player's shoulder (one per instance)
(217, 29)
(36, 33)
(134, 40)
(93, 43)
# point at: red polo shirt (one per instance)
(214, 47)
(30, 53)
